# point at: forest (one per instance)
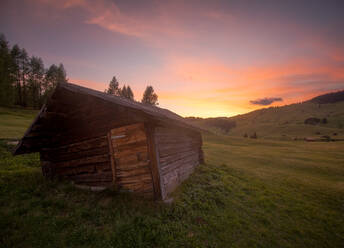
(24, 80)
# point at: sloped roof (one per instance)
(147, 108)
(158, 113)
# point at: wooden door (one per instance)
(130, 159)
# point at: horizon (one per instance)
(204, 59)
(263, 107)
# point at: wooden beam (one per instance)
(84, 160)
(154, 162)
(112, 159)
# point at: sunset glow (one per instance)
(203, 58)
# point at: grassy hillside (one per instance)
(250, 193)
(286, 122)
(15, 121)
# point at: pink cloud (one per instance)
(194, 77)
(101, 86)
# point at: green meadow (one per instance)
(287, 122)
(249, 193)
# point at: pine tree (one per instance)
(36, 82)
(113, 88)
(61, 74)
(149, 96)
(123, 91)
(15, 71)
(23, 71)
(23, 80)
(127, 92)
(6, 82)
(53, 76)
(130, 93)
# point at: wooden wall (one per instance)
(77, 145)
(73, 134)
(85, 163)
(131, 160)
(179, 152)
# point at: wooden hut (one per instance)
(99, 140)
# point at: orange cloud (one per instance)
(189, 81)
(211, 87)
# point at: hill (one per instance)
(318, 117)
(329, 98)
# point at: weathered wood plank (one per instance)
(128, 138)
(181, 155)
(135, 127)
(85, 160)
(75, 170)
(176, 146)
(95, 177)
(186, 171)
(138, 172)
(112, 159)
(132, 166)
(133, 157)
(62, 156)
(103, 167)
(128, 147)
(133, 180)
(167, 132)
(157, 156)
(169, 151)
(154, 167)
(175, 177)
(133, 150)
(80, 146)
(174, 137)
(171, 182)
(178, 156)
(179, 163)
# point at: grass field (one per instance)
(287, 122)
(249, 193)
(14, 122)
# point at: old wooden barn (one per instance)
(98, 140)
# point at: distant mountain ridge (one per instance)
(329, 98)
(285, 122)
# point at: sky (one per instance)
(203, 58)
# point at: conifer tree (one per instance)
(130, 93)
(35, 81)
(113, 88)
(149, 96)
(6, 85)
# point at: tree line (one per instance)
(24, 81)
(149, 96)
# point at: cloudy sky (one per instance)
(203, 58)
